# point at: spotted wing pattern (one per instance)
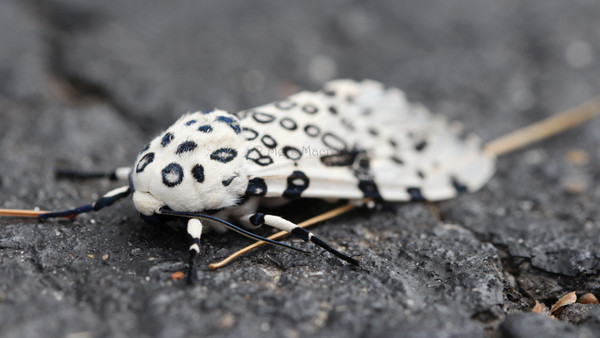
(355, 140)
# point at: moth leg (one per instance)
(107, 199)
(194, 229)
(119, 174)
(277, 222)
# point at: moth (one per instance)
(356, 141)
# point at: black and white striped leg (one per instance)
(194, 229)
(104, 201)
(277, 222)
(119, 174)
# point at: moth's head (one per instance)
(197, 164)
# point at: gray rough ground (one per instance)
(87, 84)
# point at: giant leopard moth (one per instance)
(356, 141)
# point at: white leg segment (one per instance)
(194, 229)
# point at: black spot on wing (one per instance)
(341, 159)
(393, 143)
(250, 134)
(263, 117)
(373, 132)
(167, 139)
(172, 175)
(421, 145)
(347, 124)
(333, 110)
(223, 155)
(288, 124)
(285, 104)
(186, 146)
(235, 125)
(361, 168)
(415, 194)
(256, 187)
(369, 189)
(198, 173)
(144, 161)
(397, 160)
(297, 182)
(190, 122)
(269, 141)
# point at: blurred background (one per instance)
(86, 84)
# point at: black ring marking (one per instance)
(205, 128)
(172, 175)
(198, 173)
(235, 125)
(334, 142)
(144, 161)
(258, 158)
(303, 234)
(285, 104)
(186, 146)
(268, 141)
(251, 134)
(223, 155)
(310, 109)
(256, 187)
(257, 219)
(288, 123)
(263, 117)
(415, 194)
(297, 182)
(292, 153)
(312, 130)
(167, 139)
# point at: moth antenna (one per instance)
(106, 200)
(311, 221)
(544, 129)
(243, 232)
(119, 174)
(21, 212)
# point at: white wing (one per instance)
(357, 139)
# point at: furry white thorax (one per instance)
(190, 194)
